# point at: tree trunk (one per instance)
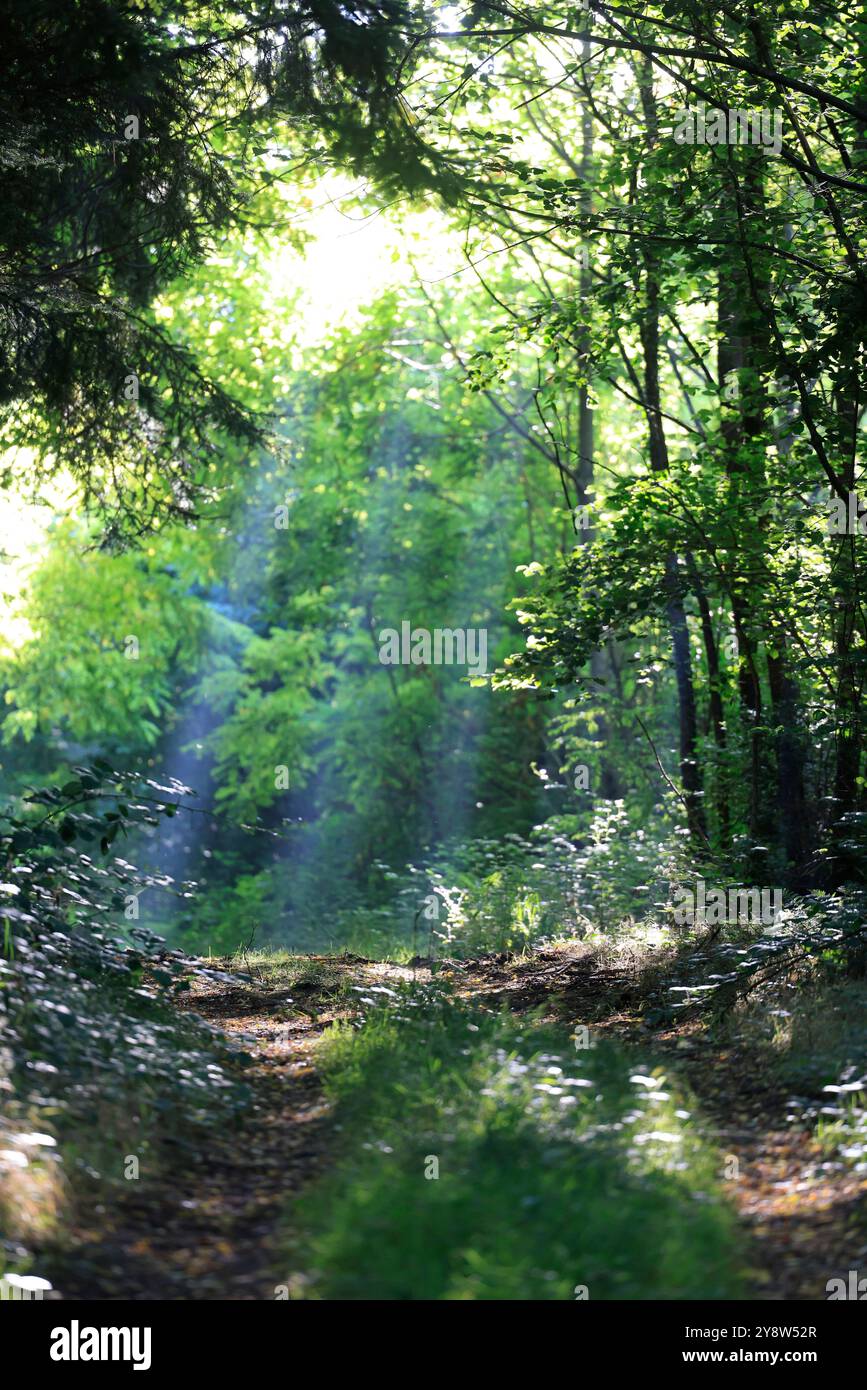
(690, 769)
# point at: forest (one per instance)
(433, 644)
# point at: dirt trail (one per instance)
(205, 1231)
(209, 1233)
(806, 1217)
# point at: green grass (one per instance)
(288, 970)
(551, 1171)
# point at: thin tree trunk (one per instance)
(790, 758)
(716, 708)
(741, 356)
(690, 769)
(848, 628)
(609, 782)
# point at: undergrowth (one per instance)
(104, 1082)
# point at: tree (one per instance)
(132, 137)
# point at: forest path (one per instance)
(242, 1195)
(206, 1226)
(208, 1229)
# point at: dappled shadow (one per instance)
(202, 1227)
(806, 1217)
